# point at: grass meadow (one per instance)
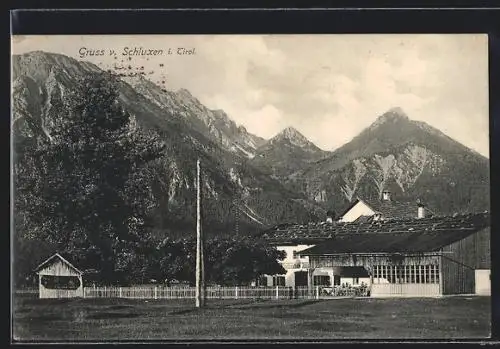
(136, 320)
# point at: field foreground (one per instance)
(133, 320)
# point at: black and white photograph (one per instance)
(250, 187)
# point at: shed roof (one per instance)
(318, 232)
(61, 258)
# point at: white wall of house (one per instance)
(291, 263)
(290, 259)
(358, 210)
(483, 282)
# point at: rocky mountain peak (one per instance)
(397, 112)
(393, 115)
(184, 92)
(293, 136)
(40, 64)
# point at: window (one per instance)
(295, 254)
(409, 274)
(321, 280)
(336, 280)
(355, 281)
(60, 282)
(278, 280)
(418, 274)
(262, 281)
(432, 274)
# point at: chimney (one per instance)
(386, 195)
(330, 216)
(420, 210)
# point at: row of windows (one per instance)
(394, 274)
(406, 274)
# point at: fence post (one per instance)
(104, 291)
(236, 292)
(156, 292)
(120, 290)
(317, 292)
(277, 292)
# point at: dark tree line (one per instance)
(228, 260)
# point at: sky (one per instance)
(329, 87)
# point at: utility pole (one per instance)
(200, 277)
(236, 209)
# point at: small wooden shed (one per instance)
(58, 278)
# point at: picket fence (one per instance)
(237, 292)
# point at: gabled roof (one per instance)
(395, 209)
(388, 209)
(411, 237)
(318, 232)
(350, 206)
(61, 258)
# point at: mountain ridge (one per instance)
(285, 178)
(232, 185)
(214, 123)
(285, 153)
(411, 157)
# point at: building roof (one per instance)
(397, 209)
(61, 258)
(407, 236)
(389, 208)
(317, 232)
(364, 219)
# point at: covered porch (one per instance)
(386, 275)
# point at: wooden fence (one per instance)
(158, 292)
(237, 292)
(405, 290)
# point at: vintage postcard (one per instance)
(250, 187)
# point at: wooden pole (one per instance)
(202, 251)
(199, 242)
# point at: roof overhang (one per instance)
(57, 255)
(367, 254)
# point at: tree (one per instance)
(240, 260)
(86, 187)
(229, 260)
